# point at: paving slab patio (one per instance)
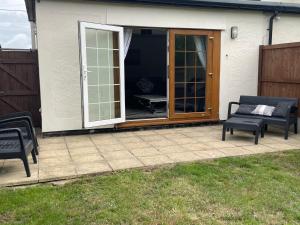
(68, 157)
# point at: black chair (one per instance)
(20, 116)
(16, 141)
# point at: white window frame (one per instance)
(83, 55)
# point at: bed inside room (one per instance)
(145, 73)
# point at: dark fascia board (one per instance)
(221, 4)
(30, 8)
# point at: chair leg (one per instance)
(231, 131)
(223, 133)
(36, 150)
(256, 136)
(34, 156)
(262, 132)
(26, 165)
(266, 127)
(286, 132)
(296, 127)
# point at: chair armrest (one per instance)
(229, 108)
(16, 131)
(19, 118)
(17, 124)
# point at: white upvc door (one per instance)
(102, 69)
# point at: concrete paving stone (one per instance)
(54, 146)
(144, 132)
(123, 134)
(53, 153)
(137, 145)
(241, 140)
(206, 139)
(145, 151)
(183, 156)
(256, 149)
(80, 144)
(203, 128)
(57, 173)
(111, 148)
(119, 164)
(182, 141)
(220, 144)
(92, 167)
(161, 143)
(151, 138)
(196, 147)
(130, 139)
(52, 162)
(201, 155)
(213, 153)
(155, 160)
(1, 162)
(83, 151)
(18, 178)
(280, 146)
(195, 134)
(51, 140)
(86, 158)
(185, 130)
(77, 138)
(13, 165)
(117, 155)
(174, 136)
(106, 141)
(165, 131)
(170, 149)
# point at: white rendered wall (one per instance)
(57, 31)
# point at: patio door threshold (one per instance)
(163, 121)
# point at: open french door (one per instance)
(102, 70)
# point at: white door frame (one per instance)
(84, 71)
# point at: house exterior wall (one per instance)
(59, 63)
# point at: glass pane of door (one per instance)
(102, 64)
(190, 69)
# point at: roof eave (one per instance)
(30, 8)
(221, 4)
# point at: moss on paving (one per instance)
(261, 189)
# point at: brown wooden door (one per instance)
(194, 74)
(19, 83)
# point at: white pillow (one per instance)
(263, 110)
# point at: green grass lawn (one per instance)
(262, 189)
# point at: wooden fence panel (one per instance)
(19, 83)
(279, 70)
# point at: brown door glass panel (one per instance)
(200, 104)
(190, 73)
(179, 90)
(179, 75)
(179, 106)
(189, 105)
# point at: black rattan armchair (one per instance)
(16, 142)
(20, 116)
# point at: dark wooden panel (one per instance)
(19, 83)
(279, 70)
